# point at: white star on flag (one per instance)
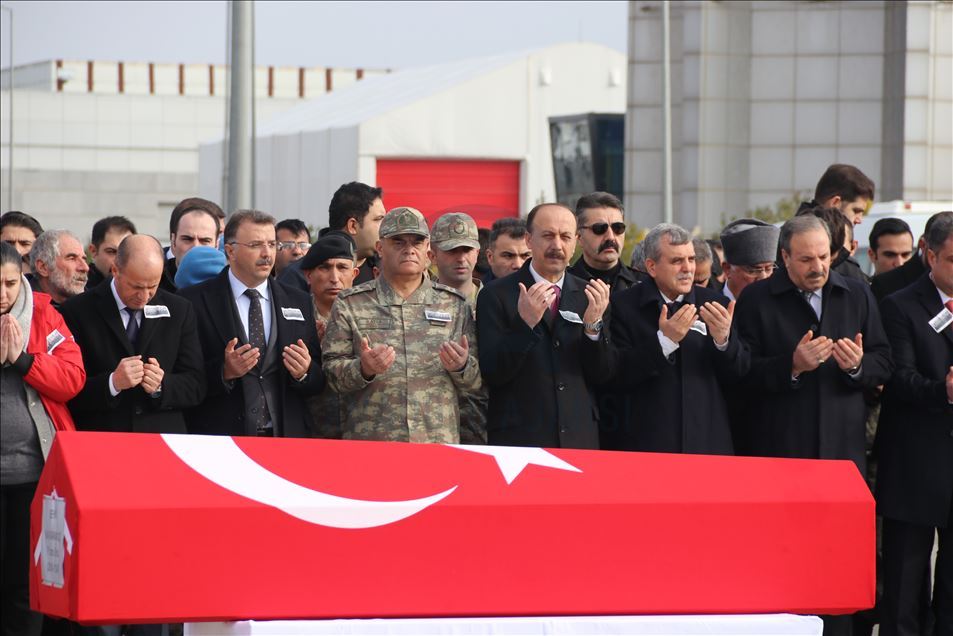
(513, 459)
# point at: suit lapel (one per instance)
(221, 307)
(106, 305)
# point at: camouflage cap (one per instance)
(453, 230)
(404, 221)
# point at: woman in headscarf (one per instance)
(42, 368)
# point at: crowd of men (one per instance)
(767, 341)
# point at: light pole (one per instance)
(667, 111)
(241, 130)
(10, 116)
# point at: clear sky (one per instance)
(338, 34)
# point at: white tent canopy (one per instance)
(488, 108)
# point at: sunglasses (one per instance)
(600, 228)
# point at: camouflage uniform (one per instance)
(415, 400)
(450, 231)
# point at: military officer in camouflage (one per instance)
(401, 348)
(454, 246)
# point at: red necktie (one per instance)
(554, 306)
(949, 305)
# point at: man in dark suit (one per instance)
(671, 352)
(140, 348)
(816, 342)
(542, 344)
(887, 283)
(262, 356)
(601, 232)
(915, 444)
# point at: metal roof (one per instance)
(377, 95)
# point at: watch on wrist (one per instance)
(593, 326)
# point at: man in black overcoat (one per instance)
(140, 348)
(671, 351)
(915, 444)
(816, 342)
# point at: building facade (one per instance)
(765, 95)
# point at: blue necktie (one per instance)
(132, 327)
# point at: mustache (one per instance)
(606, 244)
(815, 275)
(555, 254)
(263, 261)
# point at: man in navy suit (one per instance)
(262, 356)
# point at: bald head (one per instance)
(139, 247)
(138, 269)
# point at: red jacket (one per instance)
(59, 375)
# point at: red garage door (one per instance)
(487, 190)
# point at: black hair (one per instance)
(597, 200)
(941, 230)
(351, 201)
(103, 227)
(295, 226)
(845, 181)
(10, 256)
(196, 204)
(21, 219)
(510, 226)
(887, 226)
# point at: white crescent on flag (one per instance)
(221, 461)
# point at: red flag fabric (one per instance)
(168, 528)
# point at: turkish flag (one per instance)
(168, 528)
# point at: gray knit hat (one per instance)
(749, 242)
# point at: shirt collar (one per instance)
(119, 303)
(726, 291)
(539, 279)
(668, 300)
(238, 287)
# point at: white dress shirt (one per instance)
(243, 302)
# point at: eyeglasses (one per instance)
(767, 270)
(290, 245)
(256, 245)
(600, 228)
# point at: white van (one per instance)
(915, 213)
